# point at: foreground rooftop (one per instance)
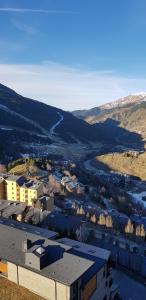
(63, 263)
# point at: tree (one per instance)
(80, 211)
(109, 222)
(142, 231)
(93, 219)
(102, 220)
(138, 230)
(129, 227)
(88, 215)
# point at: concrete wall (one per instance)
(102, 290)
(12, 272)
(45, 287)
(36, 283)
(63, 292)
(51, 290)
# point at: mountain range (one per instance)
(129, 112)
(30, 127)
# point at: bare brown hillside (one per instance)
(127, 163)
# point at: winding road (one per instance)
(53, 128)
(93, 170)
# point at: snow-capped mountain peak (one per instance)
(131, 99)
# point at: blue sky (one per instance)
(73, 53)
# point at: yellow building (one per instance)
(3, 188)
(13, 187)
(19, 189)
(30, 191)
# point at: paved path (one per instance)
(95, 171)
(53, 128)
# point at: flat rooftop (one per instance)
(9, 208)
(64, 266)
(86, 249)
(29, 229)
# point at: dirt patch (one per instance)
(11, 291)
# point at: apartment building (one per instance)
(55, 270)
(18, 188)
(3, 191)
(13, 187)
(30, 191)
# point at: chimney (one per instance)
(26, 244)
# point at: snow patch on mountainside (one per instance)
(131, 99)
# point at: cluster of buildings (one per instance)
(134, 225)
(126, 254)
(56, 269)
(72, 185)
(58, 182)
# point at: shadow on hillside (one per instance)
(110, 132)
(115, 139)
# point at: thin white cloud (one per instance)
(66, 87)
(14, 46)
(28, 10)
(24, 27)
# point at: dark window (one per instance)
(110, 282)
(75, 291)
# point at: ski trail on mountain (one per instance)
(35, 124)
(53, 128)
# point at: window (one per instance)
(110, 282)
(3, 268)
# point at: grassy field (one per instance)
(11, 291)
(22, 170)
(18, 170)
(124, 163)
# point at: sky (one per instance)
(73, 54)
